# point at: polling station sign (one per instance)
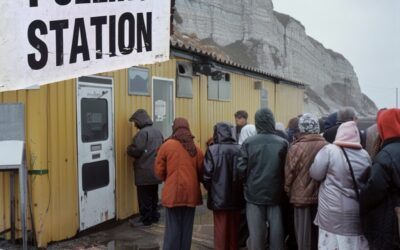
(44, 41)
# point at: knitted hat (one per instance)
(308, 123)
(348, 135)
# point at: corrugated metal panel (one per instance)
(244, 97)
(289, 102)
(51, 145)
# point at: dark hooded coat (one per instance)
(381, 194)
(261, 162)
(144, 148)
(225, 190)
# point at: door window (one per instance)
(94, 117)
(95, 175)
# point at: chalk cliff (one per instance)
(251, 33)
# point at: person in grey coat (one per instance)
(143, 149)
(338, 215)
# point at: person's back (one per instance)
(265, 158)
(338, 206)
(381, 193)
(261, 164)
(336, 165)
(299, 186)
(225, 190)
(144, 149)
(180, 164)
(181, 174)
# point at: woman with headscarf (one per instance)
(300, 187)
(339, 167)
(179, 164)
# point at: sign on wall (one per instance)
(44, 41)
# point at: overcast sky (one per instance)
(366, 32)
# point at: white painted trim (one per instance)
(173, 95)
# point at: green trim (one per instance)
(38, 171)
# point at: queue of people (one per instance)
(339, 197)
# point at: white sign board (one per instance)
(44, 41)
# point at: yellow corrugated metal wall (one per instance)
(289, 102)
(243, 97)
(51, 145)
(51, 139)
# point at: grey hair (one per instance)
(346, 114)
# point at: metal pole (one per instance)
(12, 206)
(23, 191)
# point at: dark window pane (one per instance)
(138, 81)
(95, 175)
(94, 115)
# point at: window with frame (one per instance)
(220, 90)
(264, 98)
(184, 80)
(94, 116)
(138, 81)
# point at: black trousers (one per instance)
(148, 203)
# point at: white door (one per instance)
(96, 163)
